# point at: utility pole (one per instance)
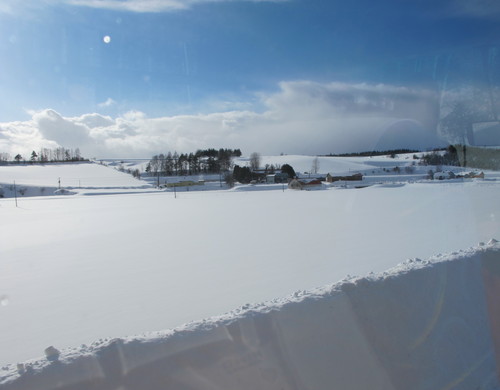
(465, 156)
(15, 192)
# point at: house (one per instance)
(312, 185)
(279, 177)
(296, 184)
(471, 175)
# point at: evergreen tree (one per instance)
(285, 168)
(242, 174)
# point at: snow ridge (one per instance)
(421, 325)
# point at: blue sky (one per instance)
(186, 59)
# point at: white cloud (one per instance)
(108, 103)
(9, 6)
(134, 5)
(95, 120)
(16, 6)
(22, 137)
(485, 9)
(477, 8)
(302, 117)
(340, 117)
(64, 131)
(151, 5)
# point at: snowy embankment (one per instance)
(422, 325)
(26, 180)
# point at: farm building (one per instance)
(296, 184)
(279, 177)
(355, 177)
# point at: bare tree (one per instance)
(155, 164)
(229, 179)
(315, 165)
(254, 161)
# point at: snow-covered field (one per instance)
(78, 269)
(430, 324)
(45, 180)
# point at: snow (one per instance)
(339, 165)
(78, 175)
(78, 269)
(300, 163)
(421, 325)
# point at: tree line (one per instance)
(374, 153)
(45, 155)
(202, 161)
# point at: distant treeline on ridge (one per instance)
(374, 153)
(45, 155)
(202, 161)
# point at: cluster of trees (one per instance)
(409, 169)
(242, 175)
(202, 161)
(269, 169)
(437, 157)
(134, 172)
(245, 175)
(59, 154)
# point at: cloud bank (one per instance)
(140, 6)
(480, 9)
(302, 117)
(151, 5)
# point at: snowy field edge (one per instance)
(420, 325)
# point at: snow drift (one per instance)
(431, 324)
